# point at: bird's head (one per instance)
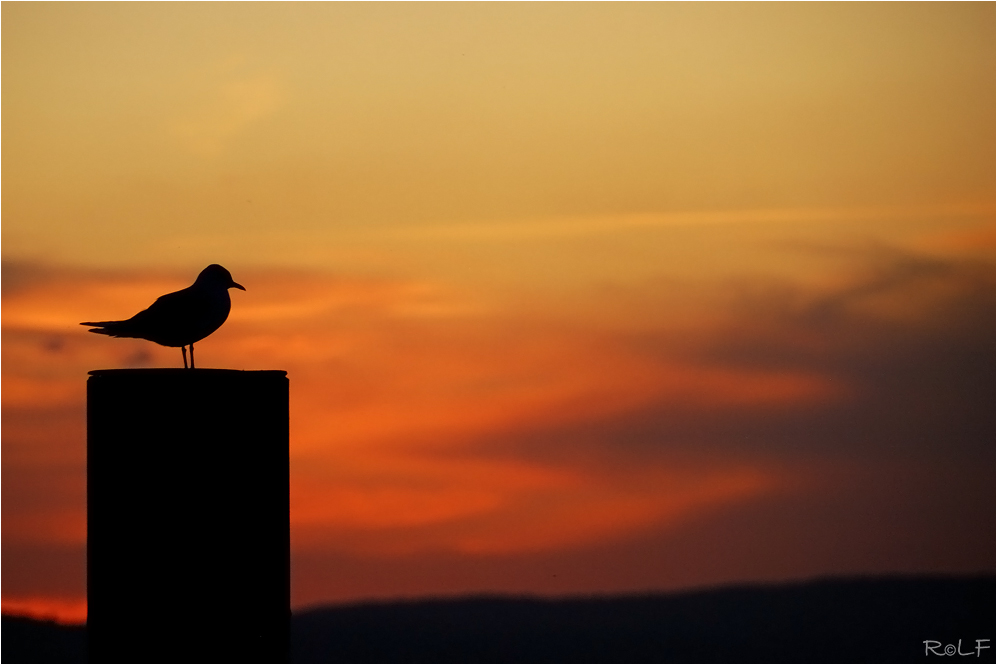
(217, 277)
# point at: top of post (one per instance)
(176, 371)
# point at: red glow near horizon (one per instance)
(413, 435)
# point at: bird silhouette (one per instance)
(180, 318)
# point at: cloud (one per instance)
(580, 226)
(498, 433)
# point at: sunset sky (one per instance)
(573, 298)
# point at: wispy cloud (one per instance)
(578, 226)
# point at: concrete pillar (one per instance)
(188, 545)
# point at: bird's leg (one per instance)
(183, 350)
(192, 355)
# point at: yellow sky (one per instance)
(146, 133)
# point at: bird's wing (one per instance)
(166, 313)
(161, 316)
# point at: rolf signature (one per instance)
(935, 647)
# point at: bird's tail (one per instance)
(112, 328)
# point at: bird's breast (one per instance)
(213, 311)
(186, 317)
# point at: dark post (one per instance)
(188, 545)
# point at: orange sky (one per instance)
(573, 298)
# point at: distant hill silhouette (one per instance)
(854, 620)
(31, 641)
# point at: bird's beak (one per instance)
(237, 286)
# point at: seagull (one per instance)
(180, 318)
